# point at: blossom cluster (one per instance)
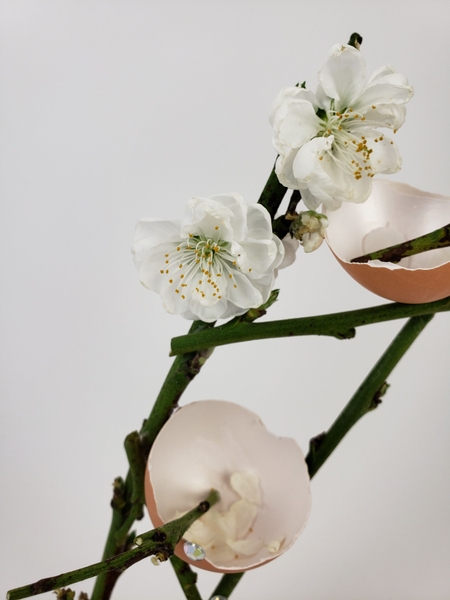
(329, 142)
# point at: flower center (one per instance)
(201, 266)
(349, 149)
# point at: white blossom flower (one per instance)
(217, 263)
(328, 143)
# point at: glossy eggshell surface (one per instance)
(394, 213)
(200, 447)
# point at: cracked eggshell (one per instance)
(394, 213)
(200, 447)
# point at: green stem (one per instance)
(160, 542)
(272, 194)
(282, 225)
(340, 325)
(367, 397)
(355, 40)
(182, 372)
(132, 510)
(227, 584)
(186, 577)
(439, 238)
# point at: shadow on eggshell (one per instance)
(158, 522)
(394, 213)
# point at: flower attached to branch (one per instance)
(309, 229)
(217, 263)
(329, 144)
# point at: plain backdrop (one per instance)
(115, 110)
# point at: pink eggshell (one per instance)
(394, 212)
(200, 447)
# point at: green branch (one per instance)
(227, 584)
(339, 325)
(160, 542)
(355, 40)
(439, 238)
(182, 372)
(368, 395)
(282, 225)
(272, 194)
(186, 577)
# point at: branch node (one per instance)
(376, 400)
(346, 335)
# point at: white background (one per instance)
(115, 110)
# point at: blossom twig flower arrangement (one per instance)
(220, 262)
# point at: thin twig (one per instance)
(272, 194)
(368, 395)
(186, 577)
(439, 238)
(227, 584)
(339, 325)
(282, 225)
(160, 542)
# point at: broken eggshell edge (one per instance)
(394, 213)
(200, 447)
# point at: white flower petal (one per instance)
(244, 513)
(243, 293)
(281, 102)
(283, 169)
(311, 241)
(259, 226)
(235, 203)
(150, 271)
(291, 246)
(342, 76)
(308, 157)
(300, 124)
(385, 157)
(246, 547)
(386, 115)
(247, 486)
(381, 72)
(259, 255)
(207, 217)
(203, 531)
(226, 522)
(221, 555)
(385, 92)
(156, 231)
(221, 310)
(274, 545)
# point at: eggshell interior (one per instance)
(200, 447)
(394, 213)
